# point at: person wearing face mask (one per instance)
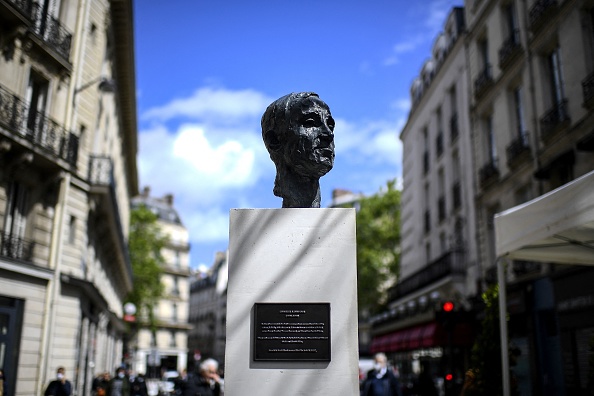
(119, 385)
(60, 386)
(381, 381)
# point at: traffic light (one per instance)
(449, 377)
(446, 316)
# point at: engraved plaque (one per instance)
(292, 331)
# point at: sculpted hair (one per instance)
(276, 119)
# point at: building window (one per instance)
(490, 140)
(519, 113)
(425, 151)
(453, 114)
(175, 290)
(174, 312)
(555, 77)
(16, 210)
(439, 138)
(172, 342)
(37, 93)
(72, 230)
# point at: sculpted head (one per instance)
(298, 132)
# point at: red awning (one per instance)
(428, 335)
(414, 337)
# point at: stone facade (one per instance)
(208, 311)
(68, 169)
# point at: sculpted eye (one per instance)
(331, 123)
(310, 123)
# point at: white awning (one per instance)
(556, 227)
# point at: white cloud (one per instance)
(210, 102)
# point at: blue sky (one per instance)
(207, 70)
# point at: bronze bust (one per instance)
(298, 132)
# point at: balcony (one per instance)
(488, 173)
(451, 263)
(454, 132)
(588, 91)
(510, 49)
(483, 81)
(16, 10)
(45, 134)
(103, 187)
(51, 32)
(540, 13)
(16, 248)
(518, 150)
(554, 119)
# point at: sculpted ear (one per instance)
(271, 140)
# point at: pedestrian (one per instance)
(60, 386)
(138, 385)
(119, 385)
(381, 380)
(1, 382)
(101, 383)
(207, 382)
(425, 385)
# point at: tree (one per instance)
(145, 243)
(378, 244)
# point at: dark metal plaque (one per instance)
(292, 332)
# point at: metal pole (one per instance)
(501, 263)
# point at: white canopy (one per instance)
(555, 227)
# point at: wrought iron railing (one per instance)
(52, 138)
(553, 118)
(451, 263)
(588, 88)
(51, 31)
(517, 147)
(25, 7)
(483, 80)
(454, 127)
(14, 247)
(488, 172)
(101, 171)
(510, 47)
(539, 12)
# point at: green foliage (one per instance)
(145, 243)
(486, 351)
(378, 243)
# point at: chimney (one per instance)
(169, 199)
(146, 191)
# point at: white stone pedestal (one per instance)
(292, 256)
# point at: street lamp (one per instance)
(106, 85)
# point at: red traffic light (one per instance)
(448, 306)
(449, 377)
